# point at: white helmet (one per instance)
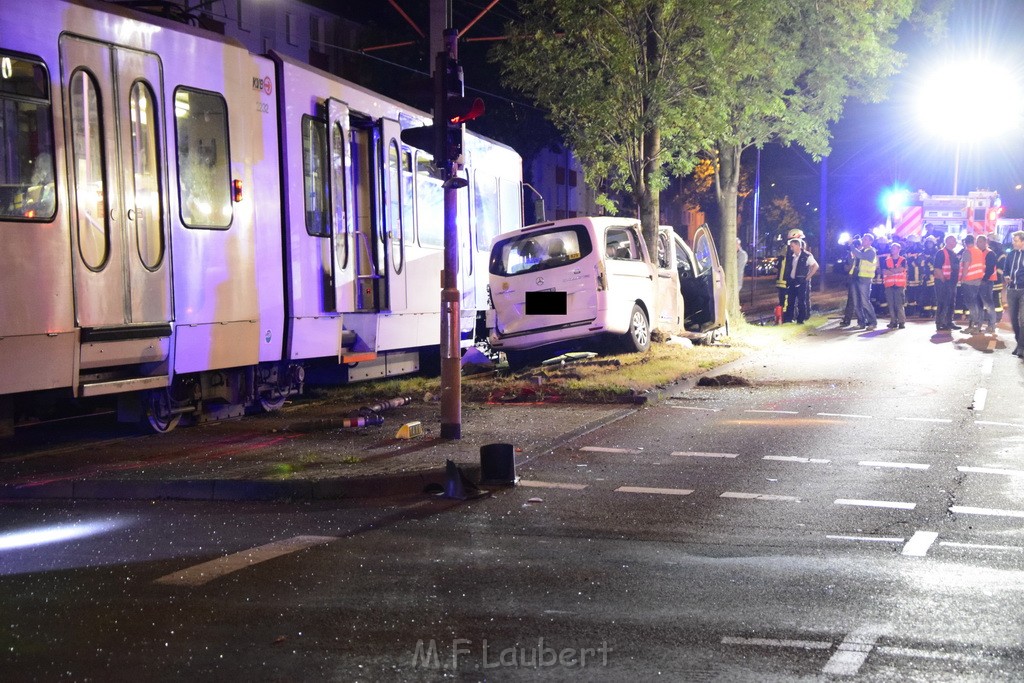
(795, 234)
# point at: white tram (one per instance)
(191, 227)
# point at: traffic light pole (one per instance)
(451, 337)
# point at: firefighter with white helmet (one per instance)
(782, 280)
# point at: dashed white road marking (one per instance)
(926, 419)
(776, 412)
(986, 366)
(991, 512)
(853, 651)
(699, 454)
(551, 485)
(876, 503)
(859, 417)
(759, 496)
(710, 410)
(796, 458)
(869, 539)
(919, 543)
(214, 569)
(773, 642)
(898, 465)
(991, 345)
(979, 546)
(927, 654)
(646, 489)
(990, 470)
(602, 449)
(998, 424)
(978, 404)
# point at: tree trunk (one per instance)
(648, 201)
(727, 184)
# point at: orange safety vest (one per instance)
(947, 265)
(895, 279)
(976, 268)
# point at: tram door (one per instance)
(366, 216)
(114, 155)
(342, 259)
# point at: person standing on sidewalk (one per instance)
(1015, 290)
(972, 269)
(985, 289)
(800, 267)
(946, 271)
(741, 264)
(867, 264)
(850, 266)
(894, 277)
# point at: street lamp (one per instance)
(968, 101)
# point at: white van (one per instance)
(578, 278)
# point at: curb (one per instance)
(377, 486)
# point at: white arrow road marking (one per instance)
(854, 650)
(214, 569)
(919, 543)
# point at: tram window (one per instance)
(485, 214)
(394, 198)
(315, 178)
(204, 164)
(87, 161)
(429, 202)
(408, 179)
(26, 141)
(146, 170)
(338, 188)
(511, 201)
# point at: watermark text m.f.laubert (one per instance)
(429, 655)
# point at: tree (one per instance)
(619, 79)
(781, 71)
(780, 216)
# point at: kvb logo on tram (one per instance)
(262, 83)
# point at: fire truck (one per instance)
(978, 213)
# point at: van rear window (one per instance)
(534, 251)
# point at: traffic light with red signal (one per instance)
(452, 109)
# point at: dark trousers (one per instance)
(851, 301)
(797, 301)
(1015, 303)
(945, 296)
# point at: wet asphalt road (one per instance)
(853, 510)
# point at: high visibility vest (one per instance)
(947, 265)
(895, 279)
(976, 268)
(867, 268)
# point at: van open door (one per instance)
(702, 282)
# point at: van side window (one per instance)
(664, 260)
(625, 242)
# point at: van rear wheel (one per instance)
(638, 338)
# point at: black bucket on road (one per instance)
(498, 464)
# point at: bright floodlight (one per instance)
(970, 100)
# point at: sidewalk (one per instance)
(298, 453)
